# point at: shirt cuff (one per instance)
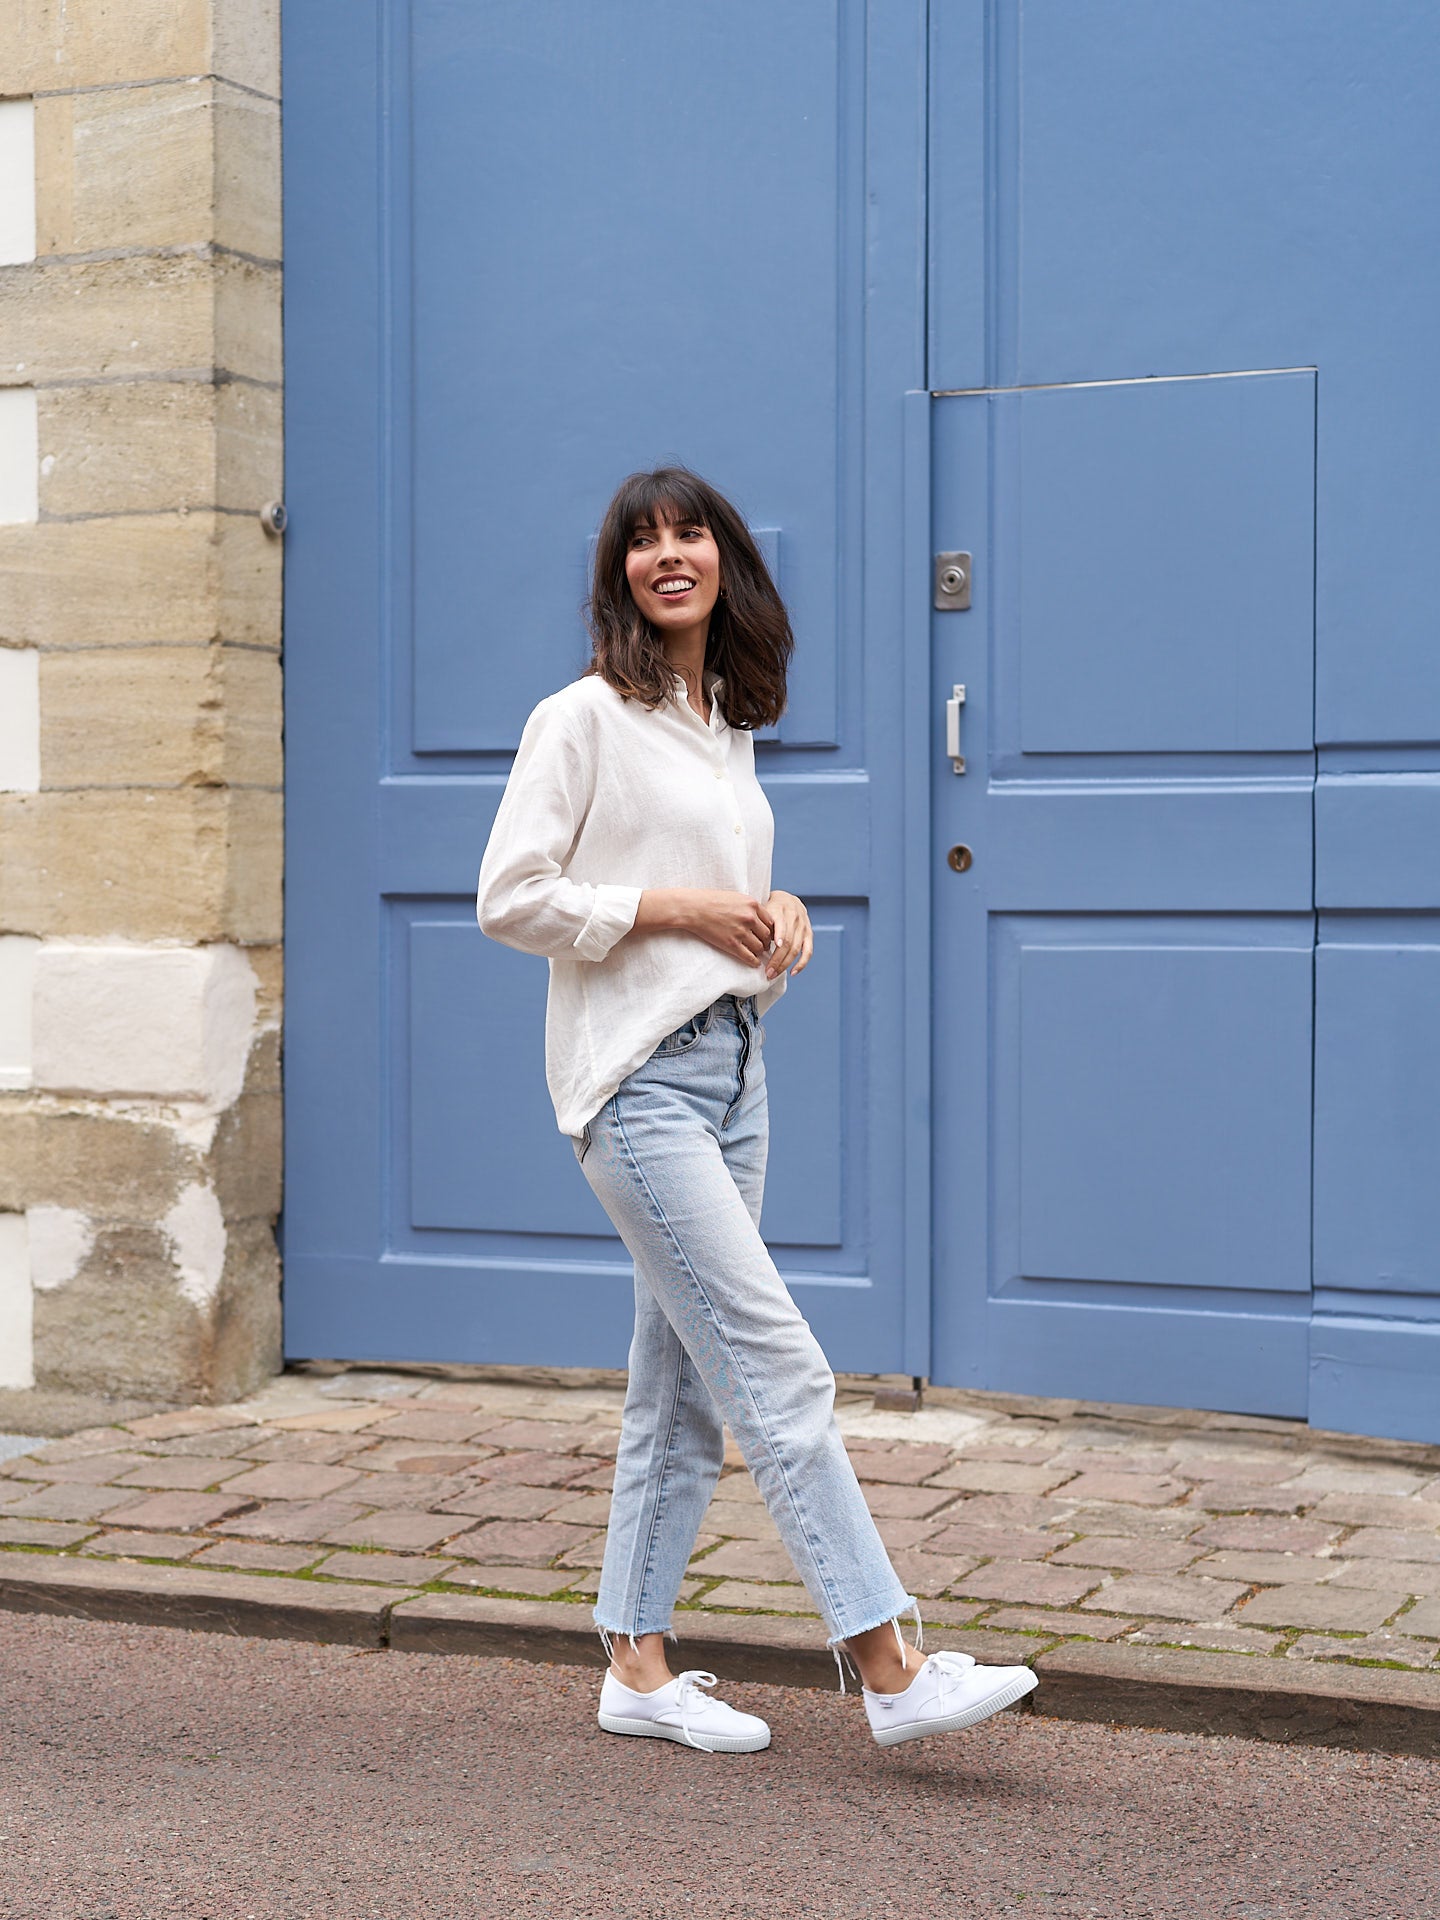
(611, 918)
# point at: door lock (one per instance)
(952, 582)
(952, 728)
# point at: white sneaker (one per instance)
(949, 1692)
(680, 1711)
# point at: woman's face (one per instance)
(674, 575)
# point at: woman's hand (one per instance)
(793, 934)
(732, 923)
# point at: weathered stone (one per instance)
(1132, 1556)
(293, 1480)
(1263, 1535)
(1423, 1618)
(173, 1512)
(1221, 1639)
(1025, 1580)
(999, 1476)
(1374, 1646)
(1133, 1489)
(750, 1597)
(1355, 1707)
(894, 1500)
(1268, 1569)
(193, 1596)
(62, 1503)
(131, 1167)
(1376, 1510)
(118, 1544)
(53, 44)
(40, 1533)
(142, 314)
(1179, 1597)
(257, 1556)
(176, 1473)
(1307, 1606)
(537, 1581)
(182, 163)
(929, 1573)
(191, 864)
(1062, 1625)
(503, 1502)
(1230, 1496)
(292, 1520)
(1392, 1543)
(390, 1569)
(528, 1543)
(1409, 1576)
(161, 579)
(396, 1532)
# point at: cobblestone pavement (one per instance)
(1021, 1523)
(146, 1773)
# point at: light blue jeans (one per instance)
(677, 1159)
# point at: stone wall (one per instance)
(140, 698)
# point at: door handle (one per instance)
(952, 728)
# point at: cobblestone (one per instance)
(1010, 1520)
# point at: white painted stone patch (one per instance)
(17, 1339)
(17, 181)
(195, 1229)
(17, 983)
(19, 718)
(19, 456)
(170, 1023)
(60, 1242)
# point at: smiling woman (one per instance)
(660, 529)
(632, 848)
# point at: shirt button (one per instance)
(719, 773)
(738, 827)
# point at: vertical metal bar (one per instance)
(917, 983)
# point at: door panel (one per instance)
(580, 269)
(1123, 1166)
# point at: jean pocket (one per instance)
(686, 1037)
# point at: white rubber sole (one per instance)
(708, 1743)
(955, 1722)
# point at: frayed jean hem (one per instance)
(879, 1616)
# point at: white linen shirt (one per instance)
(604, 800)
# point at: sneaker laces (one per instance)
(688, 1698)
(950, 1669)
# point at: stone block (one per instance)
(186, 1423)
(1374, 1646)
(1408, 1512)
(40, 1533)
(530, 1469)
(61, 1502)
(245, 43)
(1266, 1536)
(739, 1520)
(1130, 1556)
(1234, 1496)
(98, 1470)
(170, 1023)
(749, 1597)
(546, 1436)
(157, 447)
(583, 1509)
(1008, 1510)
(927, 1574)
(892, 1500)
(537, 1581)
(1409, 1576)
(1268, 1569)
(194, 864)
(503, 1502)
(176, 1474)
(389, 1569)
(121, 1545)
(294, 1480)
(200, 1598)
(995, 1543)
(163, 579)
(1179, 1597)
(292, 1520)
(182, 163)
(139, 315)
(1220, 1639)
(523, 1543)
(257, 1556)
(1061, 1625)
(1393, 1543)
(747, 1560)
(1423, 1618)
(395, 1532)
(1348, 1610)
(59, 45)
(1335, 1476)
(1130, 1489)
(129, 1167)
(999, 1476)
(434, 1424)
(172, 1512)
(906, 1465)
(1027, 1581)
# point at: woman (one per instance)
(632, 847)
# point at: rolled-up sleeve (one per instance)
(524, 898)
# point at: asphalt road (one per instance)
(147, 1772)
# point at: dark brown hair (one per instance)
(749, 643)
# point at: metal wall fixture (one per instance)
(952, 728)
(952, 582)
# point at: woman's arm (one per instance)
(524, 899)
(732, 923)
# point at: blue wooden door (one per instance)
(1184, 268)
(532, 247)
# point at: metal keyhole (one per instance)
(960, 858)
(951, 580)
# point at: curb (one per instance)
(1367, 1709)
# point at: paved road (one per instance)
(147, 1772)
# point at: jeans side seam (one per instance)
(741, 1375)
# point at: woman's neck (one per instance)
(686, 654)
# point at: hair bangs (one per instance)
(668, 497)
